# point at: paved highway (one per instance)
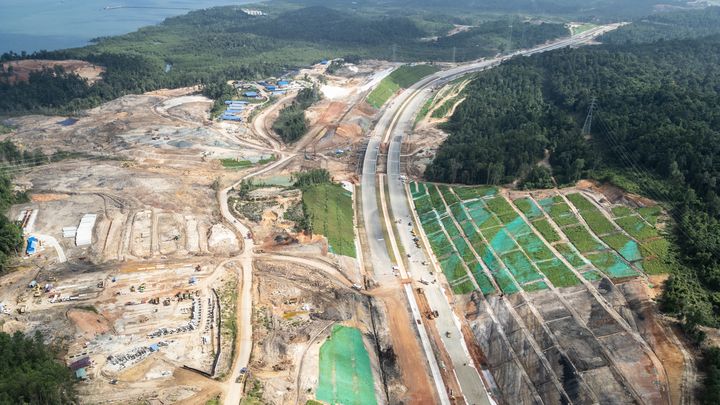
(393, 126)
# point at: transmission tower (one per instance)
(587, 127)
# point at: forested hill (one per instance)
(575, 8)
(665, 26)
(657, 125)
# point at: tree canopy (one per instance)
(29, 373)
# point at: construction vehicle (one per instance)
(132, 288)
(101, 284)
(142, 287)
(37, 291)
(356, 287)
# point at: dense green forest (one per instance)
(218, 44)
(29, 373)
(665, 26)
(573, 8)
(291, 124)
(657, 125)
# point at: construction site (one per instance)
(165, 257)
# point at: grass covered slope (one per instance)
(331, 214)
(401, 78)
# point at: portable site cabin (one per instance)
(83, 236)
(270, 87)
(283, 83)
(81, 374)
(82, 363)
(32, 243)
(250, 94)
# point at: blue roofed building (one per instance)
(32, 243)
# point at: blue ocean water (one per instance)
(31, 25)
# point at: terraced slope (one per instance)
(548, 317)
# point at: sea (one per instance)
(32, 25)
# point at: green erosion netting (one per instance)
(432, 226)
(518, 227)
(463, 249)
(597, 222)
(534, 247)
(440, 244)
(345, 373)
(500, 241)
(435, 198)
(490, 261)
(450, 227)
(570, 254)
(422, 205)
(540, 285)
(636, 227)
(450, 198)
(469, 193)
(464, 287)
(482, 279)
(562, 215)
(581, 238)
(520, 267)
(546, 204)
(468, 229)
(417, 190)
(458, 212)
(546, 230)
(499, 205)
(508, 217)
(505, 282)
(558, 273)
(611, 264)
(452, 268)
(592, 275)
(630, 251)
(529, 208)
(580, 202)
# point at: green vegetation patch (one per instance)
(529, 208)
(520, 267)
(469, 193)
(450, 227)
(452, 267)
(505, 282)
(483, 280)
(534, 247)
(562, 215)
(546, 230)
(463, 287)
(30, 374)
(331, 213)
(439, 244)
(345, 373)
(611, 264)
(235, 163)
(636, 227)
(570, 254)
(558, 273)
(401, 78)
(621, 211)
(499, 206)
(581, 238)
(597, 222)
(651, 214)
(592, 275)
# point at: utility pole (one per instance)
(394, 52)
(587, 127)
(454, 53)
